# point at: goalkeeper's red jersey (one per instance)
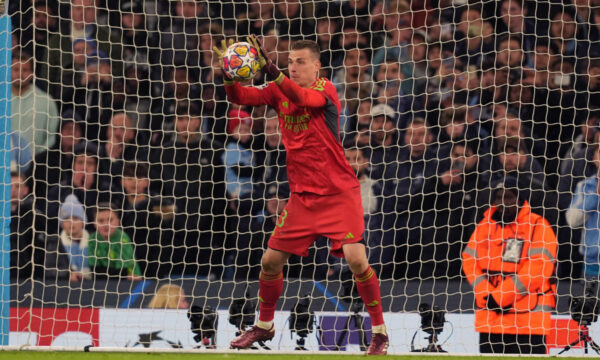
(315, 157)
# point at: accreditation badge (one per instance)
(512, 250)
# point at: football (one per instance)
(240, 61)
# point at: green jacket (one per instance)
(116, 253)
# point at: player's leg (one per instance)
(367, 285)
(270, 287)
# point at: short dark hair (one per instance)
(135, 169)
(22, 56)
(105, 206)
(308, 44)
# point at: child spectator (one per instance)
(110, 248)
(74, 238)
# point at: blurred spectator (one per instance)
(45, 24)
(360, 164)
(188, 168)
(351, 37)
(352, 82)
(22, 229)
(20, 153)
(111, 252)
(238, 157)
(395, 44)
(514, 157)
(578, 163)
(54, 165)
(514, 160)
(583, 213)
(177, 88)
(510, 125)
(146, 218)
(271, 160)
(408, 205)
(510, 54)
(179, 32)
(513, 20)
(74, 239)
(94, 97)
(210, 35)
(119, 147)
(81, 24)
(384, 139)
(457, 124)
(257, 20)
(84, 183)
(462, 192)
(563, 37)
(473, 36)
(169, 296)
(327, 29)
(414, 67)
(292, 20)
(137, 39)
(34, 114)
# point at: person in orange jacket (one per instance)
(509, 262)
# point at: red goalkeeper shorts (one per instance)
(308, 216)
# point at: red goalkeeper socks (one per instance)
(367, 285)
(270, 287)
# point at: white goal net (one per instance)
(138, 191)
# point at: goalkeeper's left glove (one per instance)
(220, 53)
(267, 66)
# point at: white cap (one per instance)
(383, 109)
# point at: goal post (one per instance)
(5, 113)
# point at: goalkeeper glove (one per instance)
(220, 53)
(267, 66)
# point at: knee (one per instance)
(357, 261)
(270, 264)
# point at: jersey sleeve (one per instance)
(250, 95)
(312, 97)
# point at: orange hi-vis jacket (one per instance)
(521, 285)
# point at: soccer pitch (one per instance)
(24, 355)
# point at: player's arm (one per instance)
(237, 93)
(296, 94)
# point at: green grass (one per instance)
(25, 355)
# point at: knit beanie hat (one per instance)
(71, 207)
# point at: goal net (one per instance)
(139, 192)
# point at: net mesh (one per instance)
(121, 130)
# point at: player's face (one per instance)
(304, 67)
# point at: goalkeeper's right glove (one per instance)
(227, 80)
(267, 66)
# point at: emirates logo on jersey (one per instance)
(295, 123)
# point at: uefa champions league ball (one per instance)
(240, 61)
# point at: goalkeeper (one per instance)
(325, 194)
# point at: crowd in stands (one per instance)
(128, 161)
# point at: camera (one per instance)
(242, 312)
(302, 321)
(584, 309)
(432, 322)
(204, 322)
(432, 319)
(301, 318)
